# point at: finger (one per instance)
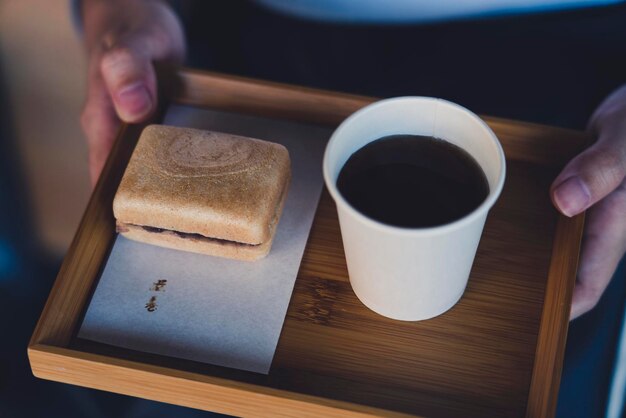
(611, 112)
(129, 77)
(100, 124)
(590, 176)
(603, 247)
(128, 70)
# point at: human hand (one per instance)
(595, 179)
(124, 38)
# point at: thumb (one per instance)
(589, 177)
(129, 76)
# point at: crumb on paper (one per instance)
(159, 285)
(151, 306)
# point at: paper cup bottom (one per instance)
(416, 315)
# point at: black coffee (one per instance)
(413, 181)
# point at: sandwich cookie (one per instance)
(201, 191)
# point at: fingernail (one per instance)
(572, 196)
(134, 101)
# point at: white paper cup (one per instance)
(412, 273)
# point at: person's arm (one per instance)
(123, 39)
(595, 179)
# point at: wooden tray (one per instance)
(498, 352)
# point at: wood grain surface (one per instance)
(498, 352)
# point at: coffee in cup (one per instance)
(413, 181)
(413, 201)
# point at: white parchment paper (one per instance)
(213, 310)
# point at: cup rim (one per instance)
(481, 210)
